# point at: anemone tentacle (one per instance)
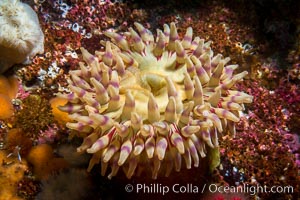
(149, 100)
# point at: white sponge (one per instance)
(21, 36)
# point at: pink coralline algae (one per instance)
(148, 102)
(266, 148)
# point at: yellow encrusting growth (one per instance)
(147, 102)
(11, 172)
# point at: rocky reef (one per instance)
(91, 59)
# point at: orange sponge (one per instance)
(4, 85)
(9, 86)
(40, 154)
(61, 117)
(8, 91)
(11, 172)
(13, 86)
(44, 162)
(6, 107)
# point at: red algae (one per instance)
(266, 157)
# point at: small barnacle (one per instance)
(48, 54)
(88, 35)
(75, 27)
(16, 102)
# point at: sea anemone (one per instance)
(75, 159)
(146, 102)
(72, 184)
(17, 17)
